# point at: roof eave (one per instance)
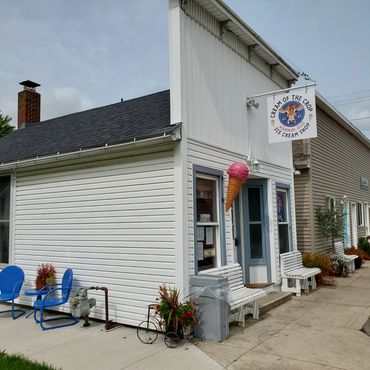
(290, 72)
(165, 137)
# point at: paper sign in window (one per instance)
(199, 251)
(209, 235)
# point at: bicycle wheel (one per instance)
(147, 332)
(171, 339)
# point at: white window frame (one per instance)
(366, 218)
(216, 225)
(285, 190)
(9, 221)
(360, 214)
(288, 215)
(328, 200)
(354, 231)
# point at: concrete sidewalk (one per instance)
(73, 347)
(318, 331)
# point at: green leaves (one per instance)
(330, 223)
(172, 311)
(5, 127)
(18, 362)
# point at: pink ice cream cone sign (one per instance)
(238, 173)
(239, 170)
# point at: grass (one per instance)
(19, 362)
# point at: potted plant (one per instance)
(187, 314)
(364, 244)
(361, 255)
(176, 317)
(341, 266)
(45, 275)
(324, 263)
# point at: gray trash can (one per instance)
(210, 294)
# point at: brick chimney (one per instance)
(28, 104)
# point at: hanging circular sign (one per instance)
(292, 115)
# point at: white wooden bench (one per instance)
(339, 250)
(292, 268)
(239, 295)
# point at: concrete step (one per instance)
(259, 285)
(272, 300)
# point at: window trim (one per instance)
(329, 198)
(360, 214)
(263, 261)
(218, 175)
(288, 189)
(10, 220)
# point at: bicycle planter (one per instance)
(149, 329)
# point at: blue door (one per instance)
(255, 228)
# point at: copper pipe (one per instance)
(109, 325)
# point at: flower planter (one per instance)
(329, 280)
(358, 262)
(187, 331)
(45, 275)
(171, 329)
(177, 316)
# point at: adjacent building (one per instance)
(333, 170)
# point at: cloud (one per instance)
(358, 116)
(96, 51)
(55, 101)
(59, 101)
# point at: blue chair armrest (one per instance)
(16, 286)
(52, 291)
(47, 286)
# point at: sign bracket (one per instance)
(251, 98)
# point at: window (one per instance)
(4, 218)
(255, 222)
(360, 215)
(330, 203)
(207, 243)
(282, 207)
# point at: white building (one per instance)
(132, 195)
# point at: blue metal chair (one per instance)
(11, 281)
(49, 300)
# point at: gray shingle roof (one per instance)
(138, 118)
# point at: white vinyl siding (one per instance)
(212, 157)
(212, 73)
(216, 82)
(113, 224)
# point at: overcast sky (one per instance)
(88, 53)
